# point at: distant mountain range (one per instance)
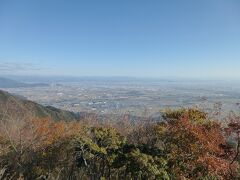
(9, 83)
(15, 104)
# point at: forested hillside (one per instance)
(14, 104)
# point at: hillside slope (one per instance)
(14, 104)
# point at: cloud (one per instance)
(12, 67)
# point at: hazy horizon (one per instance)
(127, 78)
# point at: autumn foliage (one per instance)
(185, 144)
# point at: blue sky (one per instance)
(141, 38)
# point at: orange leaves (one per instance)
(215, 165)
(47, 131)
(191, 145)
(207, 135)
(194, 145)
(37, 132)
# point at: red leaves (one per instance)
(197, 142)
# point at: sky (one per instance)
(139, 38)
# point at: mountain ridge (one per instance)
(14, 103)
(10, 83)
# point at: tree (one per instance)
(192, 144)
